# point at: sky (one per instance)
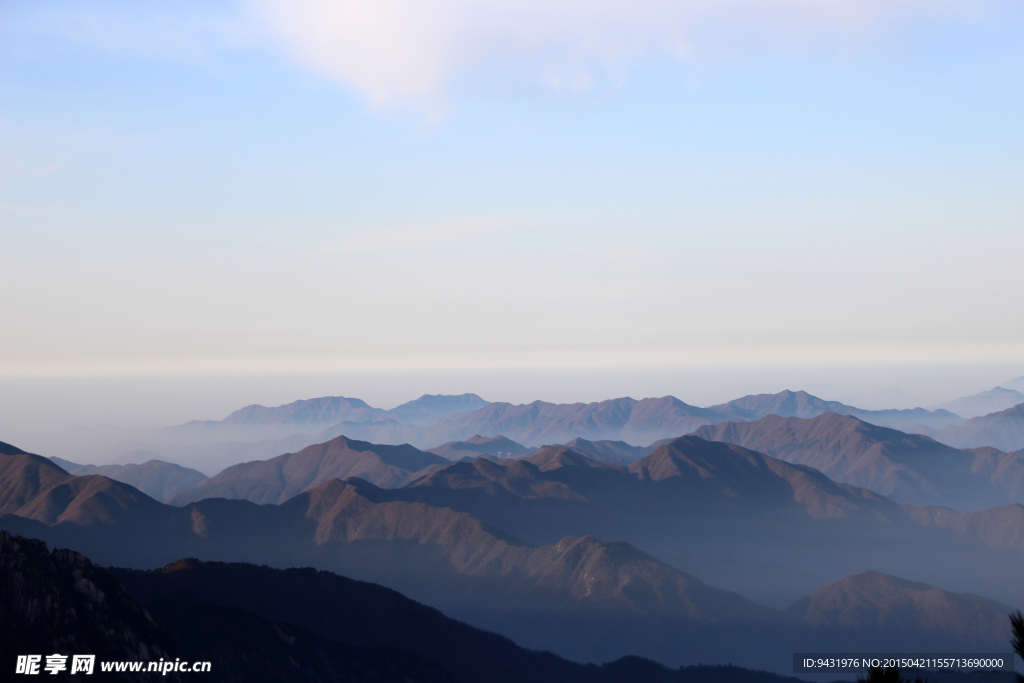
(487, 189)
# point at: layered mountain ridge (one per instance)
(157, 479)
(907, 467)
(513, 545)
(257, 432)
(1003, 430)
(281, 478)
(258, 623)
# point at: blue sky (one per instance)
(301, 187)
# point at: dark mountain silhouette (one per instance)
(157, 479)
(349, 611)
(881, 609)
(984, 403)
(802, 404)
(855, 611)
(244, 647)
(1003, 430)
(909, 468)
(432, 406)
(257, 623)
(59, 603)
(278, 479)
(476, 445)
(343, 610)
(8, 449)
(373, 618)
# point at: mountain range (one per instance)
(255, 623)
(740, 532)
(880, 608)
(458, 560)
(281, 478)
(433, 406)
(909, 468)
(802, 404)
(512, 545)
(1003, 430)
(157, 479)
(725, 512)
(258, 432)
(984, 403)
(367, 615)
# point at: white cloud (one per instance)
(405, 238)
(400, 51)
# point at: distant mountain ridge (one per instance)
(433, 406)
(804, 405)
(279, 479)
(909, 468)
(258, 432)
(158, 479)
(324, 410)
(635, 422)
(1003, 430)
(984, 403)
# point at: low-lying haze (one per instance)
(35, 411)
